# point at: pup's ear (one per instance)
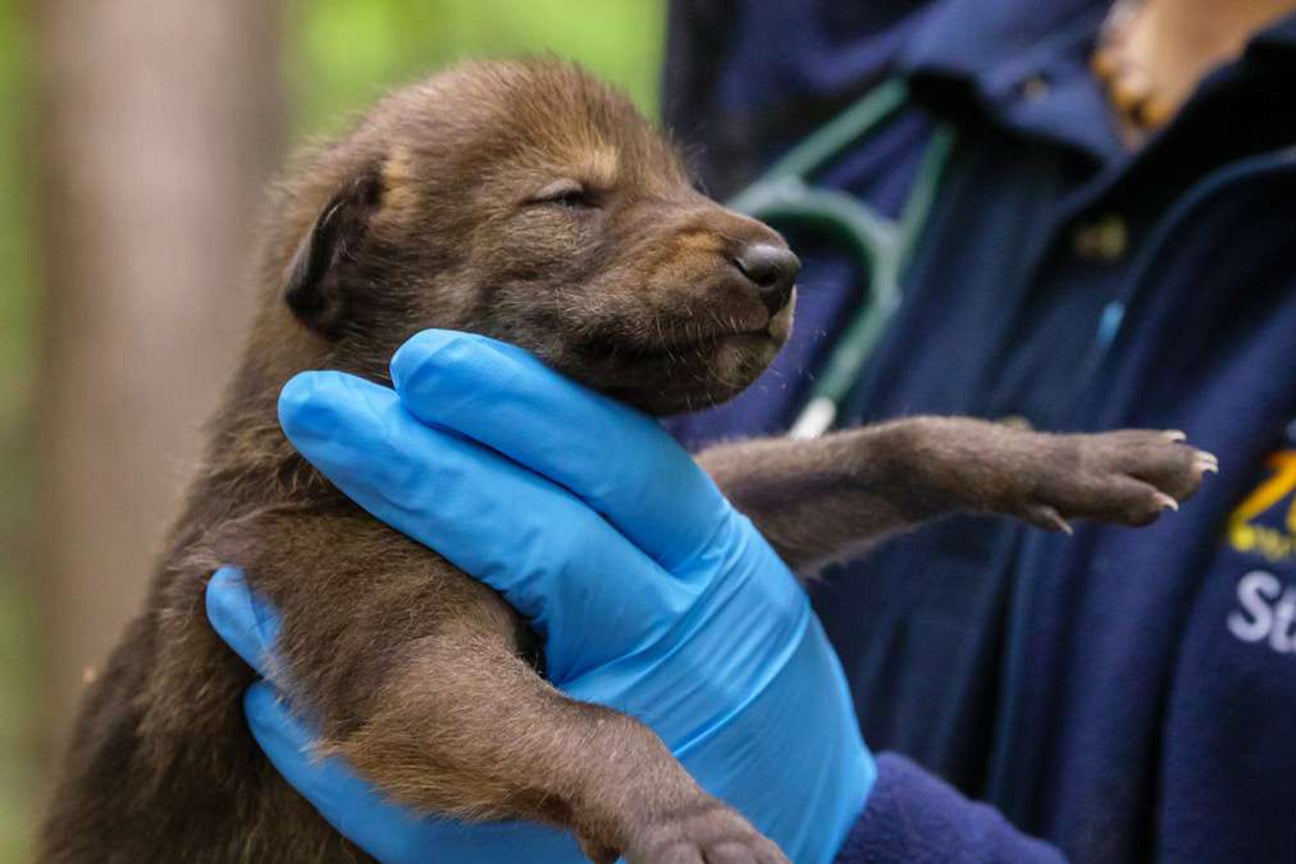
(315, 287)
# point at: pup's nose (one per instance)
(773, 269)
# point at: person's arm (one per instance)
(716, 649)
(910, 816)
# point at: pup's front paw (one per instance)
(706, 832)
(1127, 477)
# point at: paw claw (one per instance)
(1166, 502)
(1176, 435)
(1050, 519)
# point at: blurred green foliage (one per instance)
(17, 339)
(339, 56)
(342, 54)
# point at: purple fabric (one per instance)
(914, 818)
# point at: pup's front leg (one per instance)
(827, 498)
(468, 729)
(415, 675)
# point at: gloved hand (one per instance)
(652, 594)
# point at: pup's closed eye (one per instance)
(566, 193)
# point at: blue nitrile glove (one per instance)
(653, 595)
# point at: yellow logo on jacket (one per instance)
(1253, 528)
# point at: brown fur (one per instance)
(528, 202)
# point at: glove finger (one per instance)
(617, 459)
(388, 832)
(740, 638)
(590, 592)
(247, 624)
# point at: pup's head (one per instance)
(527, 201)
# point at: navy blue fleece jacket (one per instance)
(1124, 695)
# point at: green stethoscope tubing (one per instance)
(784, 197)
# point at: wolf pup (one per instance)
(528, 202)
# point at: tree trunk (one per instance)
(160, 121)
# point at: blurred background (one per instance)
(136, 138)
